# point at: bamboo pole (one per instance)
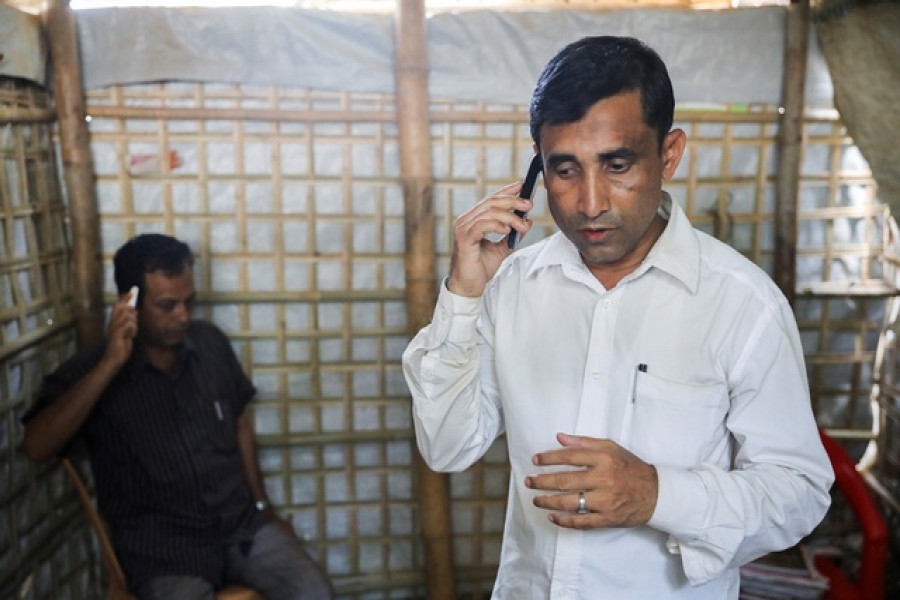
(416, 174)
(17, 114)
(87, 267)
(790, 147)
(279, 115)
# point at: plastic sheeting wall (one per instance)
(23, 53)
(473, 56)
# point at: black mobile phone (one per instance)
(526, 192)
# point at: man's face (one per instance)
(604, 176)
(166, 304)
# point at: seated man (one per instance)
(161, 408)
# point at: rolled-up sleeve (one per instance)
(456, 410)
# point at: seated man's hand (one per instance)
(283, 523)
(619, 489)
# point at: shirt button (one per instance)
(673, 546)
(607, 303)
(595, 374)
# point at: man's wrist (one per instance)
(458, 289)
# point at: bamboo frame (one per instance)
(452, 114)
(790, 146)
(413, 126)
(480, 145)
(87, 282)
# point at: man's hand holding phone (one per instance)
(476, 258)
(122, 328)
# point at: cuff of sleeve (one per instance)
(680, 503)
(457, 316)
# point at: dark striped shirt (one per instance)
(163, 449)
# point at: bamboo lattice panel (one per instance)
(292, 201)
(40, 528)
(841, 244)
(298, 230)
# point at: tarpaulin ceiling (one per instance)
(729, 56)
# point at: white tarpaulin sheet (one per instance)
(714, 56)
(22, 51)
(863, 50)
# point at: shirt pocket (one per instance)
(224, 425)
(677, 423)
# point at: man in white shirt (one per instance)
(649, 379)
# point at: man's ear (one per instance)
(673, 149)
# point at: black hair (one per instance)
(595, 68)
(146, 253)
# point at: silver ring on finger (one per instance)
(582, 504)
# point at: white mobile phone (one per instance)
(132, 301)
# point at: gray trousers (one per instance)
(277, 566)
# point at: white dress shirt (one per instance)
(693, 362)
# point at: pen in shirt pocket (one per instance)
(625, 436)
(219, 411)
(640, 368)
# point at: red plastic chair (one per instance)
(869, 583)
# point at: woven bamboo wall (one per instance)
(291, 201)
(39, 518)
(300, 260)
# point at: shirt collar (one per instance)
(138, 360)
(676, 252)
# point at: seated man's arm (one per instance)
(48, 431)
(246, 438)
(51, 429)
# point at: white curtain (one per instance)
(861, 44)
